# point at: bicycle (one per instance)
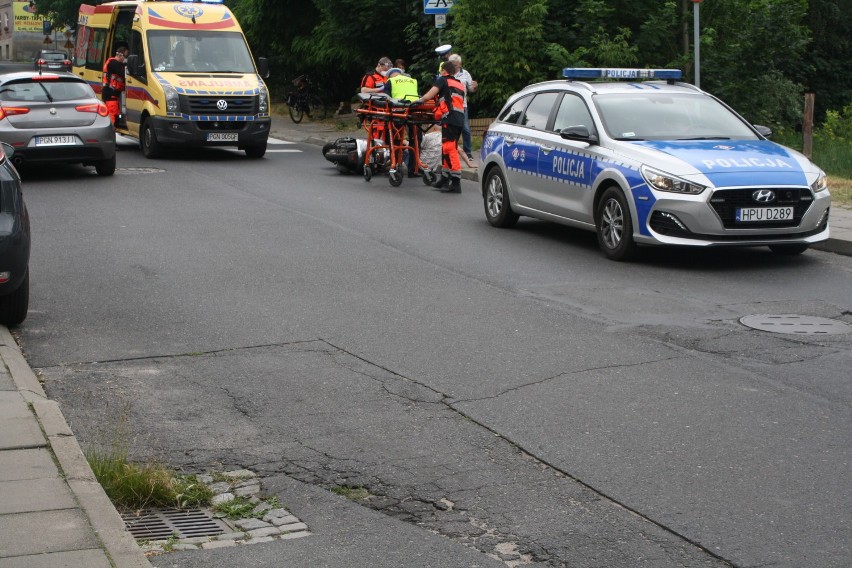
(303, 102)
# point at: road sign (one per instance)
(437, 6)
(440, 21)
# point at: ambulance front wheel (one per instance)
(151, 148)
(256, 151)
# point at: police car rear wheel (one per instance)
(789, 250)
(498, 211)
(614, 227)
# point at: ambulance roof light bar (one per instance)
(620, 73)
(192, 1)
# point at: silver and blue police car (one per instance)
(643, 159)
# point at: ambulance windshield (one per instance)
(199, 51)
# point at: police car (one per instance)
(643, 159)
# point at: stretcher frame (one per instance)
(388, 122)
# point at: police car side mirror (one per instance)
(579, 133)
(764, 131)
(263, 67)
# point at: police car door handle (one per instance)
(547, 149)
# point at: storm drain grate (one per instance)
(795, 324)
(161, 524)
(138, 171)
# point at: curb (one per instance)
(104, 519)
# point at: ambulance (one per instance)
(191, 80)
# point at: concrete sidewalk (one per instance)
(53, 512)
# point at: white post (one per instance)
(697, 41)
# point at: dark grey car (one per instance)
(48, 60)
(55, 117)
(14, 245)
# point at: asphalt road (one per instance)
(213, 311)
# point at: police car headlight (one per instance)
(820, 184)
(662, 181)
(172, 98)
(262, 100)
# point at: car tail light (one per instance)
(42, 62)
(5, 276)
(9, 111)
(67, 62)
(99, 108)
(45, 78)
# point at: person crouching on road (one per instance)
(113, 84)
(450, 111)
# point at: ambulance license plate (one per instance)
(764, 214)
(55, 140)
(222, 136)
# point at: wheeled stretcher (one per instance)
(393, 127)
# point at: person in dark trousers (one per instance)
(450, 110)
(113, 84)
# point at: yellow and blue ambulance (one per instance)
(191, 78)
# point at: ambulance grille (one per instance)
(219, 106)
(727, 201)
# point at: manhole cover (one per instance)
(163, 524)
(795, 324)
(137, 171)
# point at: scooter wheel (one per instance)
(395, 178)
(368, 173)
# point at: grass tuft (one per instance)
(130, 486)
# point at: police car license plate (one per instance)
(222, 137)
(55, 140)
(764, 214)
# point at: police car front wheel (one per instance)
(614, 226)
(498, 210)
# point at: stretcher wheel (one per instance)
(368, 173)
(429, 177)
(395, 178)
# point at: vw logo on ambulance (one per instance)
(222, 104)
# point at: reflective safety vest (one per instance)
(452, 99)
(373, 80)
(403, 88)
(112, 80)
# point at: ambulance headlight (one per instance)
(662, 181)
(262, 100)
(172, 98)
(820, 184)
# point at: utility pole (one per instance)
(696, 41)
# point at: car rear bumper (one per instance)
(95, 143)
(175, 131)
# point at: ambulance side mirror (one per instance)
(263, 67)
(133, 66)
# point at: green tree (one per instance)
(59, 12)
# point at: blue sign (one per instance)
(437, 6)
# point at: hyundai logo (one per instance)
(763, 196)
(222, 104)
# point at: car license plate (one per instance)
(222, 137)
(764, 214)
(55, 140)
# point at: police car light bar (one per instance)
(620, 73)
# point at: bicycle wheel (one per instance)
(317, 108)
(296, 111)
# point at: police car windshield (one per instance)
(669, 116)
(199, 51)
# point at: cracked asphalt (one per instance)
(506, 398)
